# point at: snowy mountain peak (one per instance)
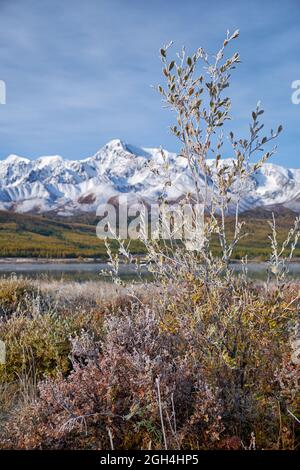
(49, 160)
(14, 159)
(51, 183)
(115, 144)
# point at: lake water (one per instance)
(91, 271)
(69, 271)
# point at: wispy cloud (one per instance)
(79, 73)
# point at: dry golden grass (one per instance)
(82, 358)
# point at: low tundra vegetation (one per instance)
(197, 368)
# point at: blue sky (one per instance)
(80, 73)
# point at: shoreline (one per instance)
(19, 260)
(52, 260)
(75, 261)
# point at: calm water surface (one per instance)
(91, 271)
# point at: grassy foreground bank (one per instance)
(87, 363)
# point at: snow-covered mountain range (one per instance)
(67, 187)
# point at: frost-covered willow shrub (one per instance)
(197, 91)
(243, 332)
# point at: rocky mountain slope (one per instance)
(68, 187)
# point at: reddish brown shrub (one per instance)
(112, 390)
